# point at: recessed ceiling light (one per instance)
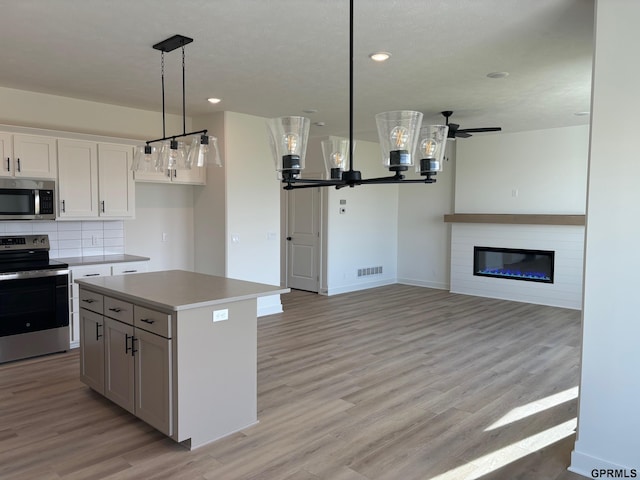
(310, 110)
(498, 74)
(319, 124)
(582, 114)
(213, 100)
(380, 56)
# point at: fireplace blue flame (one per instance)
(514, 264)
(505, 272)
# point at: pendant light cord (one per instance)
(164, 132)
(351, 86)
(184, 111)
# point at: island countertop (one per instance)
(176, 290)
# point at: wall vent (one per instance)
(364, 272)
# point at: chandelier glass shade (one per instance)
(288, 137)
(431, 146)
(336, 153)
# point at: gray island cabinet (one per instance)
(177, 349)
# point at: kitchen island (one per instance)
(177, 349)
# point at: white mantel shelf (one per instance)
(515, 219)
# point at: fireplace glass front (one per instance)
(513, 264)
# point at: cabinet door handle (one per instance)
(88, 300)
(175, 174)
(102, 203)
(98, 334)
(116, 309)
(64, 207)
(8, 164)
(19, 168)
(126, 343)
(133, 348)
(148, 320)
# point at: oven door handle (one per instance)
(32, 274)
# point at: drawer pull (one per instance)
(116, 309)
(129, 271)
(88, 300)
(91, 274)
(148, 320)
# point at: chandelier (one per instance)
(174, 154)
(402, 139)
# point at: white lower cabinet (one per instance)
(129, 365)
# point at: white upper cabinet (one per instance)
(194, 176)
(115, 181)
(77, 179)
(28, 156)
(95, 180)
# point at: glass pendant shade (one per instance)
(336, 153)
(431, 145)
(145, 159)
(173, 156)
(398, 134)
(288, 137)
(203, 151)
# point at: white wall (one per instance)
(548, 168)
(608, 421)
(424, 240)
(364, 236)
(39, 110)
(162, 209)
(252, 205)
(210, 205)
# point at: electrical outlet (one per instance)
(95, 240)
(220, 315)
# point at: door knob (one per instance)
(289, 239)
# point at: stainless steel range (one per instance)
(34, 299)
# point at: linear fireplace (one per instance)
(514, 264)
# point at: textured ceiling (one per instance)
(279, 57)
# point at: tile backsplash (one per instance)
(73, 239)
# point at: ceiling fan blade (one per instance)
(476, 130)
(462, 134)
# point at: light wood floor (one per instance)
(396, 382)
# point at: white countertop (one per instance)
(101, 259)
(176, 290)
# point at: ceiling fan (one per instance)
(456, 132)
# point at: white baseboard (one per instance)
(359, 286)
(421, 283)
(589, 466)
(269, 305)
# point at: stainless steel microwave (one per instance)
(22, 199)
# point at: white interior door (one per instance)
(303, 239)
